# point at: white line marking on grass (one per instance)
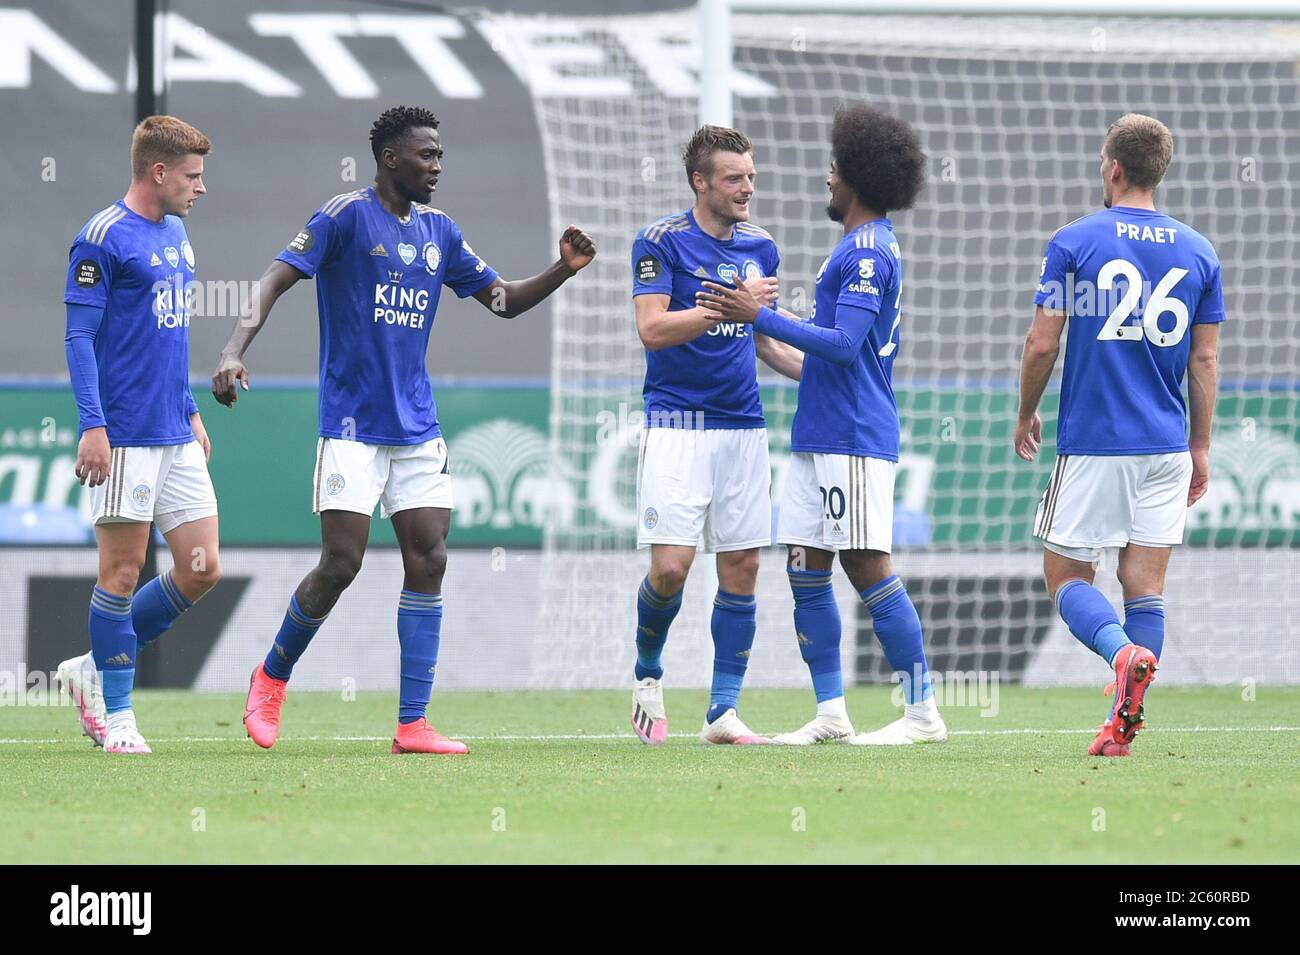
(1153, 729)
(624, 736)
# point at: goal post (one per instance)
(1011, 106)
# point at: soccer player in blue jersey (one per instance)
(380, 257)
(839, 490)
(704, 475)
(1142, 297)
(143, 450)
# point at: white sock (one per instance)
(833, 708)
(122, 720)
(926, 710)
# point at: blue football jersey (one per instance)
(713, 379)
(850, 409)
(378, 280)
(138, 271)
(1133, 282)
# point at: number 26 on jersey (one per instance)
(1158, 304)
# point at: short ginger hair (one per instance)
(164, 139)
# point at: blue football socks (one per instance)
(112, 643)
(155, 607)
(654, 615)
(733, 627)
(295, 633)
(1144, 622)
(817, 627)
(1091, 619)
(419, 631)
(898, 628)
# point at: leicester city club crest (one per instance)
(141, 494)
(334, 484)
(432, 257)
(651, 518)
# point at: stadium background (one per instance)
(290, 132)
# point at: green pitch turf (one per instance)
(1014, 787)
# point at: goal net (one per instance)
(1011, 111)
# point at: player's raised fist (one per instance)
(229, 371)
(576, 248)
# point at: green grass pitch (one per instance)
(1214, 778)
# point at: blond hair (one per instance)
(1143, 146)
(164, 139)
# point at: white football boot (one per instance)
(79, 678)
(921, 723)
(123, 736)
(729, 728)
(649, 718)
(830, 725)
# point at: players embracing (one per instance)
(703, 476)
(839, 490)
(1142, 296)
(380, 257)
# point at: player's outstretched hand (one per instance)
(734, 303)
(766, 288)
(93, 454)
(229, 371)
(1200, 475)
(1029, 435)
(576, 248)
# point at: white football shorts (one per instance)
(1097, 501)
(168, 485)
(837, 502)
(352, 476)
(709, 486)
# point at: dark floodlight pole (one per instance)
(147, 102)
